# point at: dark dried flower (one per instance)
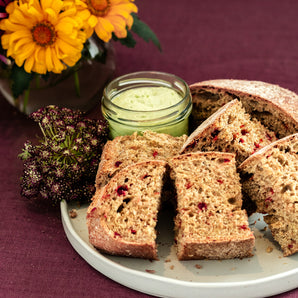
(63, 164)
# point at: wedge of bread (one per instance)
(272, 105)
(270, 179)
(122, 218)
(209, 223)
(126, 150)
(230, 129)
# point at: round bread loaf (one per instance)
(272, 105)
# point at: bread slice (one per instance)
(209, 223)
(274, 106)
(270, 179)
(125, 150)
(230, 129)
(122, 218)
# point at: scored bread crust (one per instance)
(100, 234)
(257, 94)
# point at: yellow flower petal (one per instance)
(66, 48)
(39, 54)
(58, 65)
(51, 16)
(48, 60)
(104, 29)
(119, 26)
(21, 42)
(18, 18)
(29, 64)
(7, 25)
(56, 6)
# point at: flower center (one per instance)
(44, 33)
(99, 7)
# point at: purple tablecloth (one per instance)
(255, 40)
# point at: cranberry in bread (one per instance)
(122, 218)
(230, 129)
(126, 150)
(209, 223)
(270, 179)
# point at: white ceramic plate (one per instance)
(266, 273)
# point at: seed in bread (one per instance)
(274, 106)
(270, 179)
(209, 223)
(122, 218)
(230, 129)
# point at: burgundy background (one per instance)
(255, 40)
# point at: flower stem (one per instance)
(26, 99)
(37, 81)
(77, 83)
(43, 132)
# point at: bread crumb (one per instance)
(198, 266)
(167, 260)
(172, 267)
(150, 271)
(269, 249)
(73, 213)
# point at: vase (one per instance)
(62, 90)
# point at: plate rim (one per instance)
(263, 286)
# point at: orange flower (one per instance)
(108, 16)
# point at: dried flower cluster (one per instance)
(63, 164)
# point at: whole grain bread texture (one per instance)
(230, 129)
(274, 106)
(270, 179)
(125, 150)
(209, 223)
(122, 217)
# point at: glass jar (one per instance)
(150, 100)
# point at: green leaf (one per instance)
(129, 41)
(20, 80)
(143, 30)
